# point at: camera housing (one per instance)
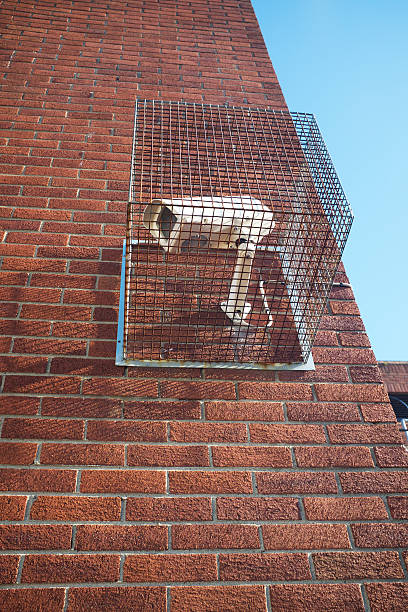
(238, 223)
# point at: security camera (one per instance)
(237, 223)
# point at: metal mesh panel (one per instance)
(236, 226)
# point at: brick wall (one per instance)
(395, 375)
(210, 490)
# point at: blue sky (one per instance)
(346, 61)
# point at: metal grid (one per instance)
(233, 262)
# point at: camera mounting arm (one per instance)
(236, 307)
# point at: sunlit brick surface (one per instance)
(158, 488)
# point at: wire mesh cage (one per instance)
(236, 225)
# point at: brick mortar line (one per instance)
(130, 494)
(66, 599)
(20, 569)
(168, 598)
(364, 596)
(303, 581)
(80, 467)
(210, 522)
(212, 399)
(403, 562)
(191, 443)
(70, 552)
(151, 400)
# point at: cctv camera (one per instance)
(237, 223)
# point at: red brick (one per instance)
(341, 323)
(259, 456)
(121, 537)
(168, 455)
(309, 537)
(354, 339)
(15, 453)
(275, 391)
(356, 565)
(25, 328)
(71, 568)
(102, 348)
(12, 249)
(82, 454)
(115, 598)
(36, 428)
(105, 314)
(328, 373)
(327, 597)
(84, 296)
(394, 456)
(332, 456)
(55, 313)
(8, 568)
(87, 330)
(326, 338)
(170, 568)
(28, 600)
(123, 387)
(5, 347)
(345, 308)
(398, 507)
(208, 432)
(168, 509)
(38, 238)
(210, 482)
(8, 309)
(244, 411)
(37, 480)
(292, 482)
(389, 596)
(162, 410)
(13, 278)
(322, 412)
(364, 434)
(41, 384)
(80, 407)
(361, 374)
(239, 374)
(215, 536)
(380, 535)
(40, 537)
(137, 431)
(122, 481)
(344, 355)
(69, 252)
(344, 509)
(12, 507)
(63, 280)
(197, 390)
(227, 598)
(13, 363)
(186, 373)
(378, 413)
(52, 508)
(377, 482)
(287, 434)
(262, 508)
(351, 393)
(265, 566)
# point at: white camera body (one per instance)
(219, 220)
(220, 223)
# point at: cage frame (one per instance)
(307, 363)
